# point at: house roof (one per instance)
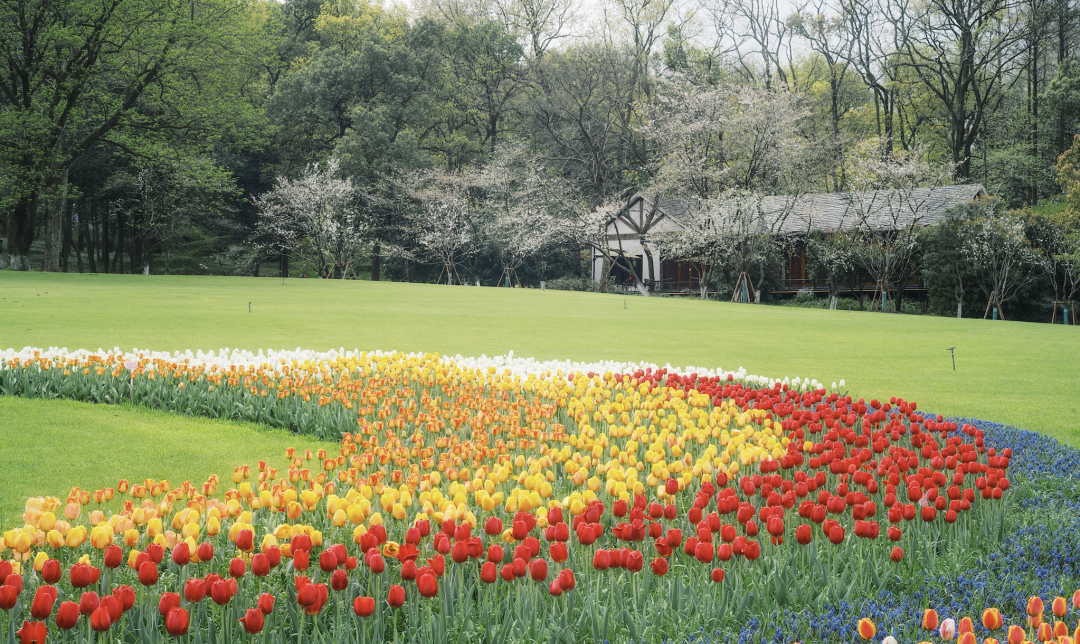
(880, 210)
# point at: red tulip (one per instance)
(88, 603)
(460, 552)
(205, 551)
(364, 606)
(67, 615)
(156, 552)
(181, 554)
(601, 560)
(237, 568)
(804, 534)
(44, 598)
(168, 602)
(396, 596)
(339, 581)
(566, 579)
(717, 575)
(33, 633)
(220, 593)
(328, 561)
(303, 542)
(554, 588)
(195, 590)
(428, 585)
(252, 620)
(300, 560)
(488, 572)
(897, 554)
(113, 605)
(176, 622)
(9, 595)
(538, 570)
(273, 556)
(245, 541)
(836, 534)
(148, 574)
(125, 596)
(659, 566)
(81, 576)
(558, 552)
(101, 620)
(635, 561)
(51, 572)
(260, 565)
(377, 564)
(114, 556)
(307, 595)
(703, 552)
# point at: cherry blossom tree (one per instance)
(317, 217)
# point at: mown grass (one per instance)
(1011, 372)
(52, 445)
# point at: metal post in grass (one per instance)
(952, 352)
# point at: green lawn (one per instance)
(52, 445)
(1023, 374)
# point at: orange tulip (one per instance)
(965, 626)
(866, 628)
(1045, 633)
(1059, 607)
(967, 638)
(1016, 635)
(991, 619)
(930, 619)
(1034, 606)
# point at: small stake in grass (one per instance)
(624, 304)
(952, 352)
(249, 307)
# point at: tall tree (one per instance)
(76, 73)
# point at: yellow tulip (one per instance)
(76, 537)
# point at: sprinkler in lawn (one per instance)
(952, 352)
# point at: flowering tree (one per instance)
(518, 220)
(316, 217)
(720, 150)
(1056, 243)
(886, 213)
(999, 252)
(441, 220)
(830, 259)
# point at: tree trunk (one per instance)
(106, 240)
(118, 256)
(376, 259)
(54, 227)
(137, 241)
(68, 242)
(22, 222)
(284, 259)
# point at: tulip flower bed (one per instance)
(511, 502)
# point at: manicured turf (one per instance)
(1016, 373)
(52, 445)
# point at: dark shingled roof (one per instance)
(880, 210)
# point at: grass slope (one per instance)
(52, 445)
(1017, 373)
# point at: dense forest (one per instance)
(486, 141)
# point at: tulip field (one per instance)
(508, 499)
